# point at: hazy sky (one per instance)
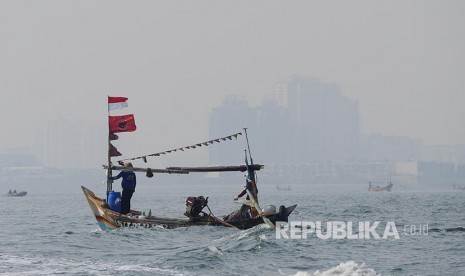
(403, 61)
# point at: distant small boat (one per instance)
(377, 188)
(14, 193)
(288, 188)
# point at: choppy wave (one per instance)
(54, 242)
(349, 268)
(23, 265)
(245, 240)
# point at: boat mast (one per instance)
(251, 171)
(252, 177)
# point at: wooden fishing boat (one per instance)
(378, 188)
(108, 219)
(107, 211)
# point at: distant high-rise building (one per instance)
(68, 143)
(302, 120)
(382, 147)
(234, 115)
(444, 153)
(325, 124)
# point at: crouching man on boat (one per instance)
(129, 186)
(248, 186)
(246, 208)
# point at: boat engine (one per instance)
(194, 206)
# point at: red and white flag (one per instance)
(124, 123)
(117, 103)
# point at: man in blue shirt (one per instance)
(129, 186)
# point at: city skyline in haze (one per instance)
(303, 121)
(402, 62)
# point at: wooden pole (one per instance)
(186, 170)
(109, 172)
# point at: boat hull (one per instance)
(17, 194)
(108, 219)
(379, 189)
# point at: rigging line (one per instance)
(206, 143)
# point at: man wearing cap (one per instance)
(129, 186)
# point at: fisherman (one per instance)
(245, 208)
(14, 191)
(248, 186)
(129, 186)
(9, 192)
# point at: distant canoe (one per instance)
(288, 188)
(23, 193)
(372, 188)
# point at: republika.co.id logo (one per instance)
(362, 230)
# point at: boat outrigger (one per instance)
(107, 210)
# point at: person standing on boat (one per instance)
(129, 186)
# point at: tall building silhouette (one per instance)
(69, 143)
(302, 120)
(232, 116)
(323, 122)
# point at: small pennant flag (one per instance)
(207, 143)
(113, 136)
(117, 103)
(113, 151)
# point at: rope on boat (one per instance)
(218, 219)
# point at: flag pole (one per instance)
(109, 174)
(254, 196)
(247, 139)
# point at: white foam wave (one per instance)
(215, 250)
(349, 268)
(23, 265)
(244, 234)
(244, 239)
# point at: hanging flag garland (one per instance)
(206, 143)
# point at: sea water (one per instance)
(53, 231)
